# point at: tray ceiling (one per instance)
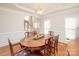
(48, 7)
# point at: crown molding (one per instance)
(16, 11)
(23, 8)
(49, 12)
(75, 8)
(27, 11)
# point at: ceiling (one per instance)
(47, 7)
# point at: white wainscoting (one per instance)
(13, 36)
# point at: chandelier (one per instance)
(39, 9)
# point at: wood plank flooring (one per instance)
(73, 47)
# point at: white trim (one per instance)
(75, 8)
(13, 36)
(31, 12)
(23, 8)
(2, 33)
(15, 11)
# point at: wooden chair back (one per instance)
(56, 42)
(48, 46)
(56, 39)
(51, 33)
(29, 34)
(35, 33)
(68, 53)
(11, 48)
(21, 52)
(26, 34)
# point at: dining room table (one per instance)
(34, 44)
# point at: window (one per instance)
(46, 26)
(36, 25)
(70, 28)
(26, 23)
(27, 18)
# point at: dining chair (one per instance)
(29, 34)
(47, 50)
(35, 33)
(22, 52)
(68, 53)
(26, 34)
(51, 33)
(56, 42)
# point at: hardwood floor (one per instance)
(73, 47)
(5, 51)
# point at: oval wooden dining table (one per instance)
(34, 44)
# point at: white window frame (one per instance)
(70, 27)
(47, 26)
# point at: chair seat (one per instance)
(44, 52)
(22, 52)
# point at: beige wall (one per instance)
(58, 22)
(11, 26)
